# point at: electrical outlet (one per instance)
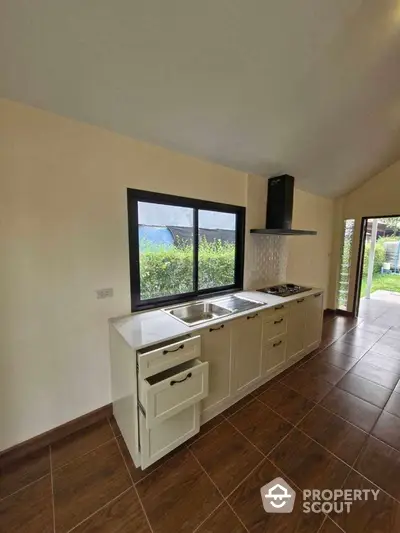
(104, 293)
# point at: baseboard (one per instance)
(57, 433)
(341, 312)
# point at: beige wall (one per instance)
(379, 196)
(63, 234)
(309, 256)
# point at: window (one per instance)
(345, 265)
(182, 248)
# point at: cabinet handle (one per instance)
(252, 316)
(316, 295)
(278, 307)
(176, 349)
(216, 329)
(174, 381)
(276, 344)
(300, 301)
(278, 321)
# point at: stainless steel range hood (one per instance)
(280, 208)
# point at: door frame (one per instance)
(360, 259)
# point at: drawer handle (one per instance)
(278, 307)
(216, 329)
(252, 316)
(316, 295)
(278, 321)
(179, 348)
(174, 381)
(276, 344)
(300, 301)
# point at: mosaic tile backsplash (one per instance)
(266, 260)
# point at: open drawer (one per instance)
(167, 393)
(165, 355)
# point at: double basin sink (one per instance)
(198, 312)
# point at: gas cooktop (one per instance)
(286, 289)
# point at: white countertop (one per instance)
(145, 328)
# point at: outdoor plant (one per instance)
(166, 270)
(380, 256)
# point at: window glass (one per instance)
(165, 250)
(217, 249)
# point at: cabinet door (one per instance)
(295, 329)
(314, 315)
(216, 350)
(246, 350)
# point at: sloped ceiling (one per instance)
(308, 87)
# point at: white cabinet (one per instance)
(314, 317)
(246, 350)
(216, 350)
(296, 330)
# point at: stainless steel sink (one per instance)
(238, 304)
(198, 312)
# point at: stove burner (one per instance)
(286, 289)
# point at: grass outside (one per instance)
(382, 282)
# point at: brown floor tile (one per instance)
(260, 425)
(82, 486)
(226, 456)
(205, 428)
(338, 359)
(122, 515)
(388, 346)
(335, 434)
(308, 464)
(238, 405)
(137, 473)
(393, 405)
(388, 429)
(380, 516)
(382, 361)
(330, 527)
(365, 389)
(381, 465)
(373, 328)
(378, 375)
(320, 370)
(361, 341)
(114, 426)
(246, 502)
(360, 413)
(28, 511)
(223, 520)
(393, 332)
(79, 443)
(266, 386)
(179, 496)
(16, 473)
(312, 388)
(348, 349)
(286, 402)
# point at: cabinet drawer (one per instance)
(274, 354)
(167, 393)
(164, 357)
(165, 437)
(273, 326)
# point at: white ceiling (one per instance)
(308, 87)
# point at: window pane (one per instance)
(165, 250)
(345, 265)
(217, 244)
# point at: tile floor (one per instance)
(332, 421)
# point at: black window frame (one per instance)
(136, 195)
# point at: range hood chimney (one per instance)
(280, 208)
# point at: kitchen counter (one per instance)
(145, 328)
